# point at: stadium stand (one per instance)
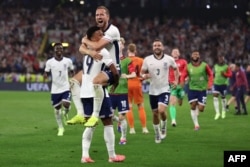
(27, 28)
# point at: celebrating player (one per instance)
(90, 70)
(221, 72)
(59, 67)
(177, 94)
(156, 68)
(200, 78)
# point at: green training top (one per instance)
(219, 79)
(122, 87)
(198, 79)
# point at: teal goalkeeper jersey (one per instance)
(122, 87)
(198, 79)
(219, 79)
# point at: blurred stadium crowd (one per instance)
(27, 30)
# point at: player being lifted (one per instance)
(110, 41)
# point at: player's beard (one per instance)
(195, 60)
(158, 52)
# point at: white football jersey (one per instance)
(159, 72)
(112, 34)
(91, 68)
(59, 73)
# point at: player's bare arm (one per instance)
(145, 74)
(176, 75)
(95, 45)
(85, 51)
(132, 73)
(128, 76)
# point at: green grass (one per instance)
(28, 137)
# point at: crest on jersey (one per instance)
(165, 65)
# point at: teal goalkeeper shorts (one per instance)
(178, 92)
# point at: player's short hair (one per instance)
(91, 31)
(57, 44)
(195, 50)
(157, 40)
(105, 8)
(132, 47)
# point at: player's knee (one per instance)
(201, 108)
(66, 105)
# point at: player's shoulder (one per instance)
(138, 58)
(183, 60)
(50, 60)
(112, 29)
(127, 59)
(168, 57)
(149, 57)
(67, 59)
(204, 63)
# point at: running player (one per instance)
(178, 93)
(156, 68)
(60, 68)
(200, 78)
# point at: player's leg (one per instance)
(232, 100)
(200, 105)
(115, 101)
(193, 101)
(172, 108)
(66, 101)
(98, 82)
(163, 102)
(123, 126)
(216, 105)
(86, 141)
(75, 91)
(56, 102)
(194, 115)
(58, 116)
(238, 102)
(123, 108)
(130, 118)
(143, 118)
(138, 99)
(88, 132)
(109, 135)
(242, 93)
(180, 95)
(223, 101)
(156, 121)
(130, 114)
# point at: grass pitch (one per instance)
(28, 137)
